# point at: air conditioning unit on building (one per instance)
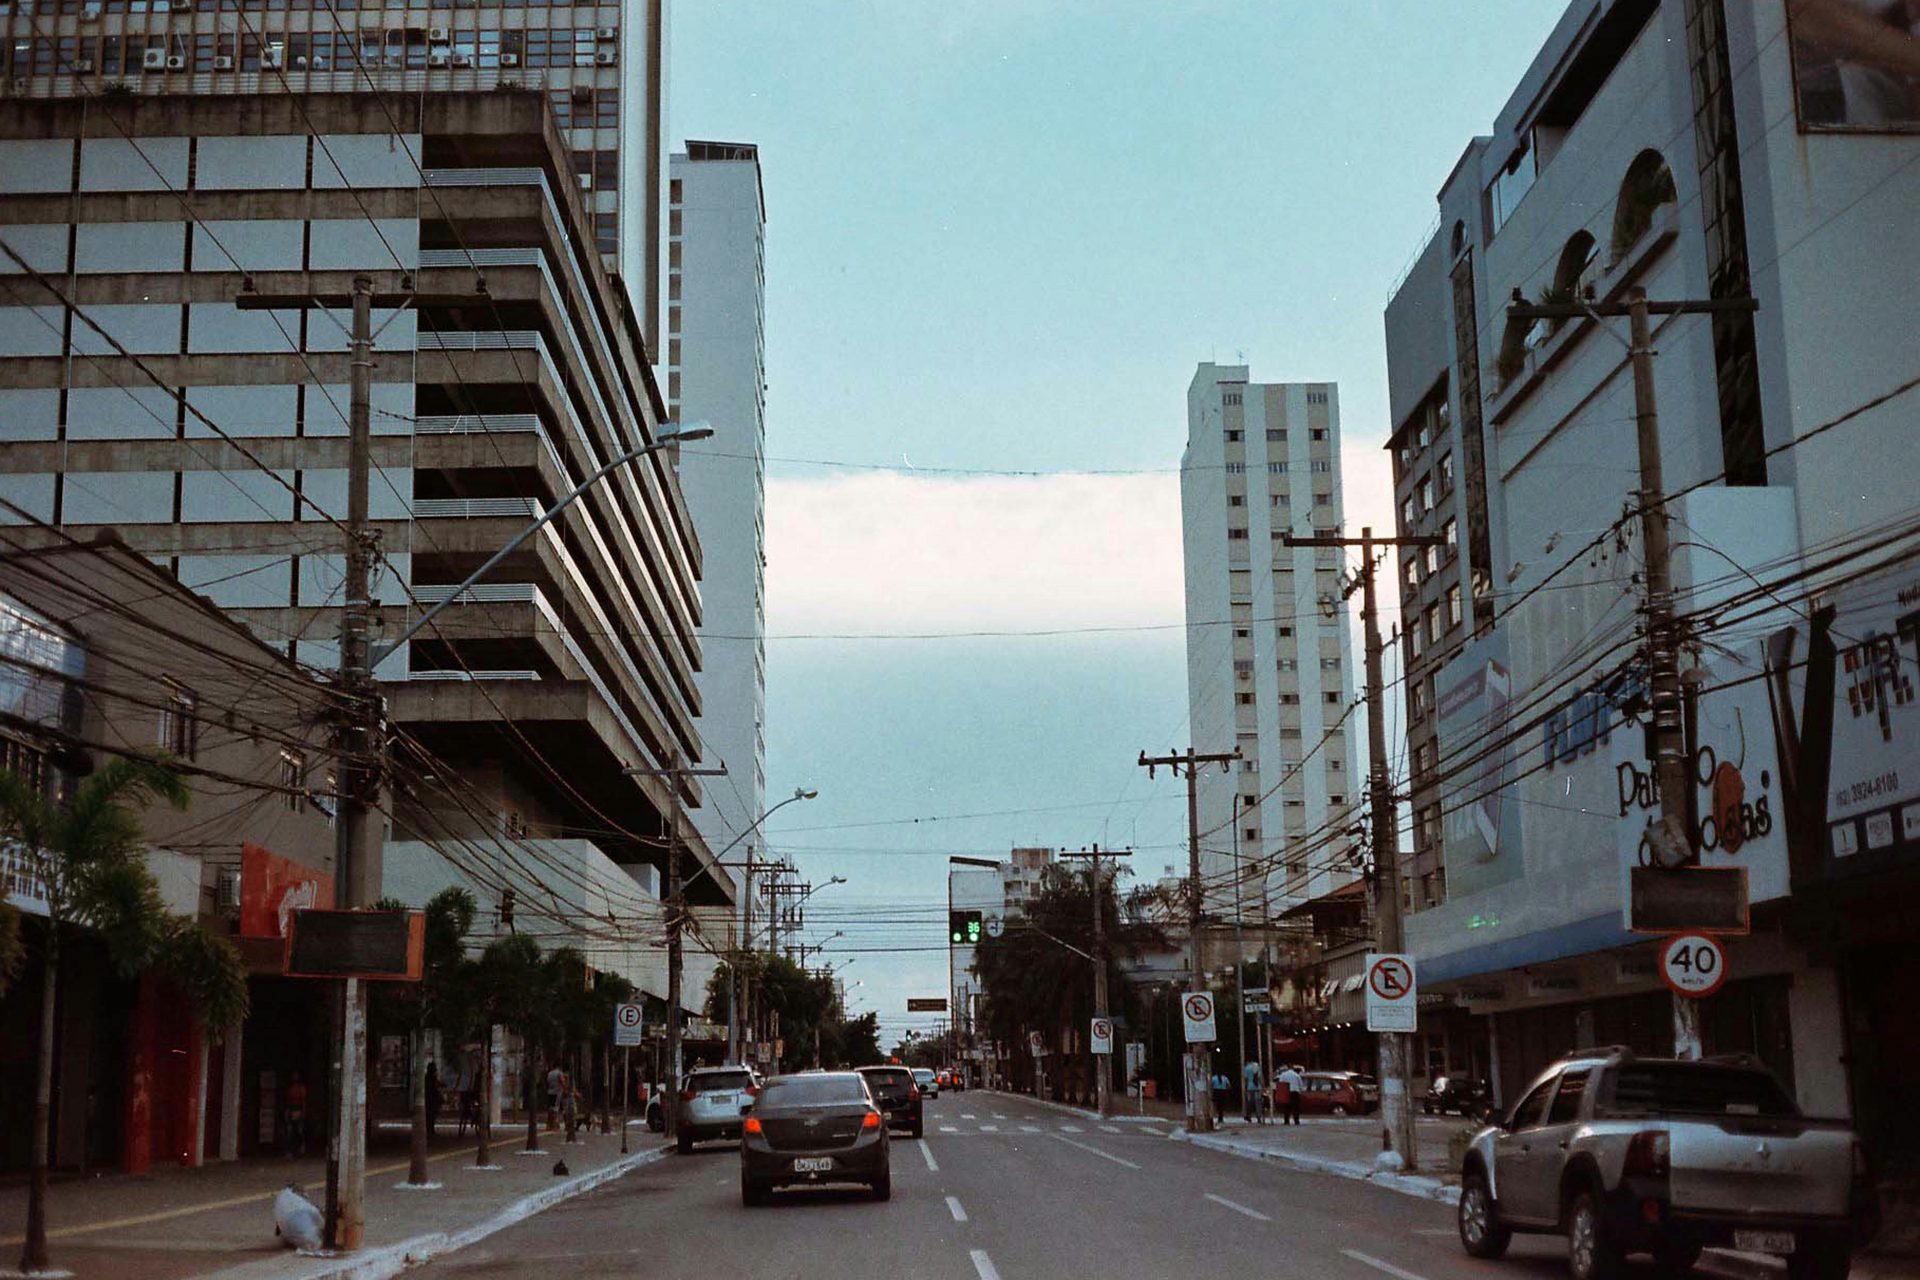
(154, 60)
(300, 61)
(177, 62)
(83, 67)
(462, 59)
(509, 59)
(226, 892)
(438, 59)
(436, 35)
(586, 181)
(270, 59)
(321, 62)
(222, 62)
(20, 84)
(606, 33)
(606, 58)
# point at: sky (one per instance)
(1001, 235)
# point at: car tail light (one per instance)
(870, 1121)
(753, 1091)
(752, 1125)
(1647, 1153)
(687, 1095)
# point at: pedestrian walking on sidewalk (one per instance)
(1288, 1085)
(1221, 1087)
(467, 1088)
(1252, 1096)
(556, 1085)
(570, 1106)
(293, 1115)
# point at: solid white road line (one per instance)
(984, 1265)
(1397, 1272)
(953, 1207)
(927, 1152)
(1239, 1208)
(1104, 1155)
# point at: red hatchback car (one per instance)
(1339, 1093)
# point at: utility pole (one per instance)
(1102, 1062)
(1200, 1117)
(676, 775)
(1672, 843)
(1396, 1076)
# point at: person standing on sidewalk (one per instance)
(556, 1089)
(1252, 1095)
(1288, 1085)
(294, 1115)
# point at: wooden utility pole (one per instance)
(1102, 1062)
(1200, 1117)
(1671, 842)
(1396, 1076)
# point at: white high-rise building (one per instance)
(715, 362)
(1267, 640)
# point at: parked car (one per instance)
(929, 1083)
(897, 1096)
(1339, 1093)
(1623, 1154)
(944, 1079)
(811, 1130)
(1458, 1093)
(710, 1104)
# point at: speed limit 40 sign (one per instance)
(1693, 964)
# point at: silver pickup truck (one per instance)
(1623, 1154)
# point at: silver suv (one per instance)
(1622, 1155)
(711, 1102)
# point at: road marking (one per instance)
(998, 1116)
(1239, 1208)
(1434, 1231)
(984, 1265)
(1029, 1128)
(949, 1128)
(1111, 1128)
(968, 1115)
(953, 1207)
(989, 1128)
(1071, 1128)
(1387, 1267)
(1104, 1155)
(927, 1151)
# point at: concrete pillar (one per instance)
(230, 1096)
(197, 1135)
(1819, 1043)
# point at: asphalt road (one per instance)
(1016, 1191)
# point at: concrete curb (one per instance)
(390, 1260)
(1409, 1184)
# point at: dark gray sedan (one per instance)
(811, 1130)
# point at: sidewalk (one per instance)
(218, 1220)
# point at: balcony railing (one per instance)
(470, 508)
(480, 340)
(480, 593)
(482, 257)
(477, 423)
(473, 675)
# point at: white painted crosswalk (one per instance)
(977, 1129)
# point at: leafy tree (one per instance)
(449, 918)
(90, 854)
(12, 949)
(856, 1041)
(509, 984)
(807, 1006)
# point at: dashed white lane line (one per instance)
(1397, 1272)
(1111, 1128)
(984, 1265)
(968, 1115)
(953, 1207)
(1029, 1128)
(1255, 1214)
(933, 1166)
(949, 1128)
(989, 1128)
(1089, 1147)
(998, 1116)
(1071, 1128)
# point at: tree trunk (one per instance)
(483, 1150)
(33, 1256)
(530, 1087)
(417, 1161)
(606, 1088)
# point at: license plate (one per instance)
(1763, 1241)
(813, 1164)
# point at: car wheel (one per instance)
(883, 1186)
(1590, 1254)
(1819, 1262)
(753, 1193)
(683, 1142)
(1480, 1231)
(919, 1126)
(1676, 1259)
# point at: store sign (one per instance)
(272, 888)
(1873, 802)
(1553, 984)
(21, 883)
(1480, 828)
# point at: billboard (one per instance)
(1856, 63)
(1480, 825)
(272, 888)
(1873, 781)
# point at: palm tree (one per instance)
(513, 987)
(89, 853)
(449, 917)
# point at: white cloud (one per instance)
(897, 552)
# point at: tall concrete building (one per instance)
(1267, 640)
(716, 367)
(135, 394)
(602, 68)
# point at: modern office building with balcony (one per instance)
(716, 373)
(1267, 641)
(601, 68)
(135, 394)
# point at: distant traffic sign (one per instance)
(1196, 1011)
(628, 1026)
(1102, 1037)
(1693, 965)
(1256, 1002)
(1392, 998)
(1037, 1043)
(926, 1004)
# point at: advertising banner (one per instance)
(272, 888)
(1480, 831)
(1873, 786)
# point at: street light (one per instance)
(666, 440)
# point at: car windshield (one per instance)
(718, 1081)
(812, 1091)
(923, 1074)
(893, 1081)
(1659, 1088)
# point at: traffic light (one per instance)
(963, 928)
